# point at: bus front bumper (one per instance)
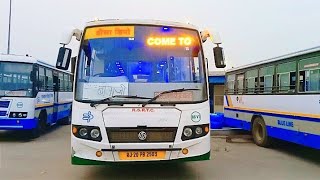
(81, 161)
(85, 152)
(17, 124)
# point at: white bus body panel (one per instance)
(295, 118)
(127, 116)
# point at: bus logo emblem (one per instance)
(19, 105)
(195, 116)
(87, 116)
(142, 135)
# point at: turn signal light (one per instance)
(98, 153)
(185, 151)
(74, 130)
(206, 129)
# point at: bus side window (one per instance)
(311, 80)
(240, 89)
(70, 81)
(66, 83)
(261, 84)
(49, 80)
(292, 81)
(61, 82)
(309, 74)
(230, 83)
(1, 77)
(42, 82)
(256, 87)
(252, 81)
(286, 73)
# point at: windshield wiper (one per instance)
(93, 104)
(166, 92)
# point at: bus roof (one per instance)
(27, 59)
(286, 56)
(140, 22)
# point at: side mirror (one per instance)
(219, 57)
(63, 60)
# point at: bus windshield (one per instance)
(15, 79)
(140, 61)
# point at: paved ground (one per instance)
(48, 157)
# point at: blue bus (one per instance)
(33, 95)
(277, 98)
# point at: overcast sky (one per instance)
(251, 30)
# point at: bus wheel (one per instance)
(34, 133)
(67, 120)
(41, 126)
(43, 122)
(259, 133)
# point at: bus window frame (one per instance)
(61, 82)
(275, 86)
(49, 88)
(204, 65)
(309, 70)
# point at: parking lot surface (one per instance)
(48, 157)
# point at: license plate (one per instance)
(141, 155)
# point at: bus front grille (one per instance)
(131, 135)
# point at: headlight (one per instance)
(187, 132)
(87, 132)
(83, 132)
(18, 114)
(199, 130)
(95, 133)
(196, 131)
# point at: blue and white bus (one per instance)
(277, 98)
(33, 95)
(141, 92)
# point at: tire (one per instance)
(66, 120)
(34, 133)
(40, 128)
(259, 133)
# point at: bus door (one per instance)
(56, 85)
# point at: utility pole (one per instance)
(9, 31)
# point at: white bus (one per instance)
(277, 98)
(141, 92)
(33, 95)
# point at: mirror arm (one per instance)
(214, 37)
(66, 38)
